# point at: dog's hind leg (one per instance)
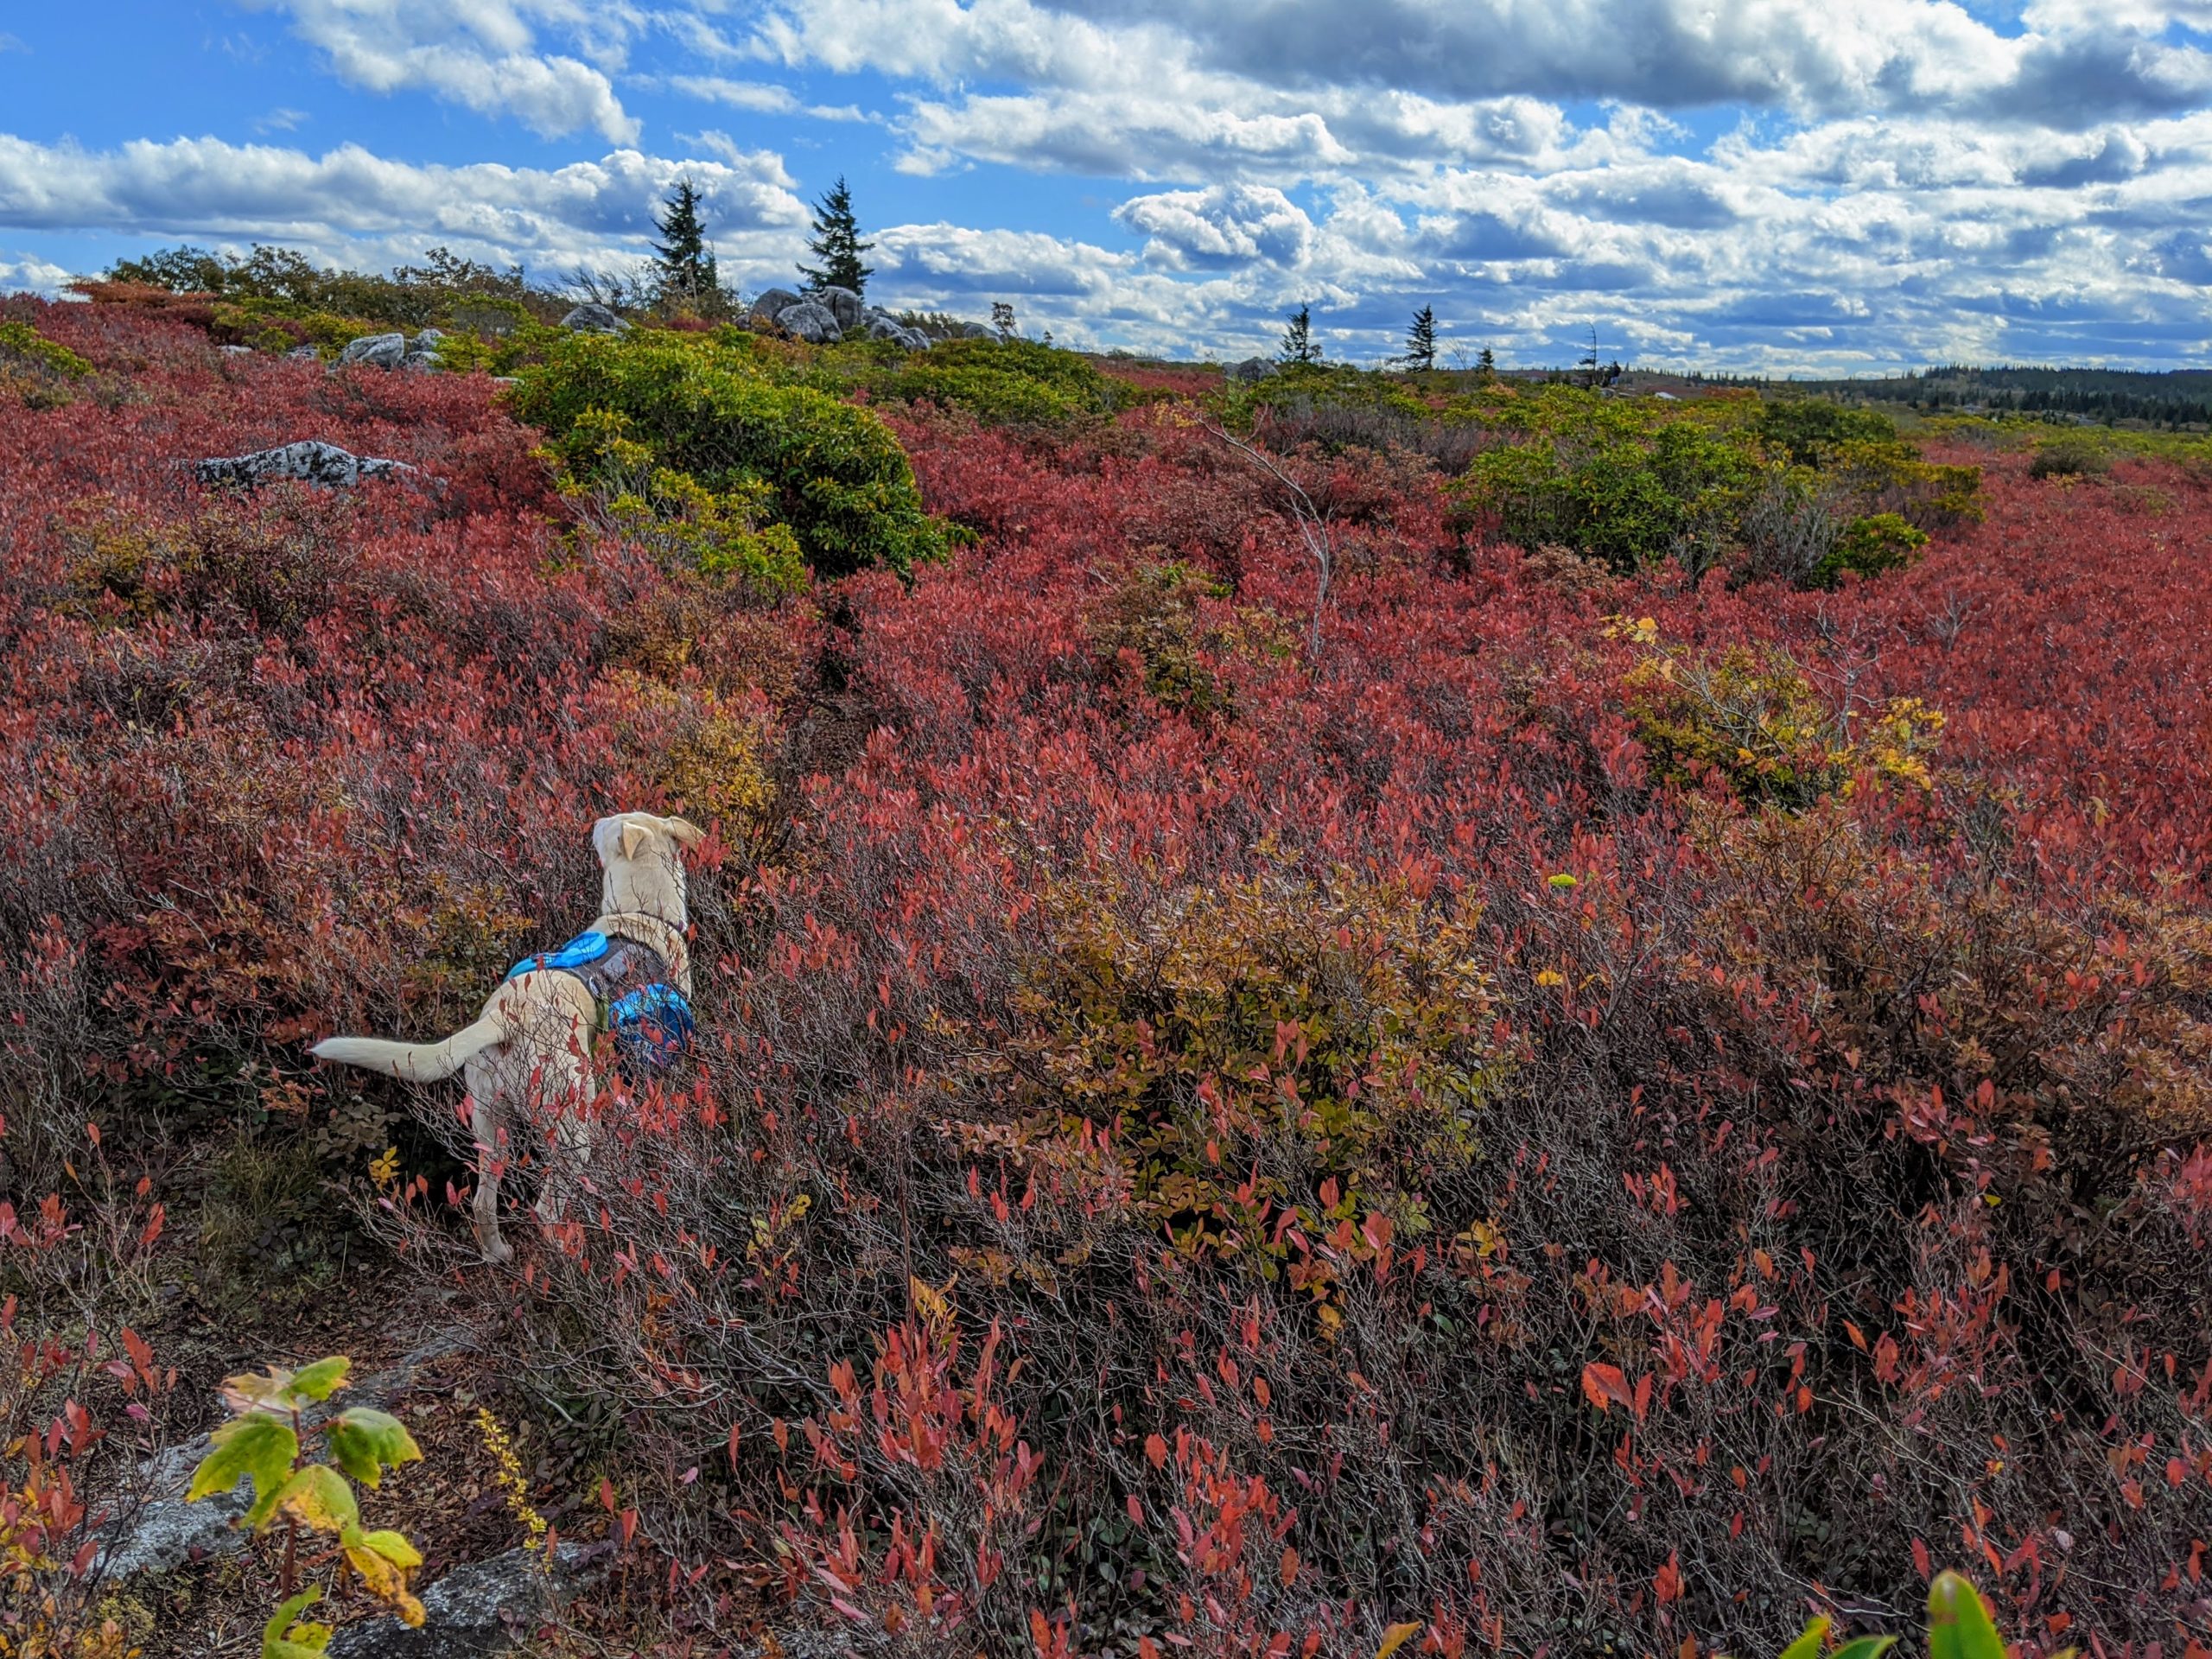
(567, 1091)
(484, 1086)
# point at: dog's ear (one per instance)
(684, 832)
(634, 836)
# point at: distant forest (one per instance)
(2179, 399)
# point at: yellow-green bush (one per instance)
(1749, 715)
(691, 404)
(1281, 1043)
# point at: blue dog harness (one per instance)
(648, 1017)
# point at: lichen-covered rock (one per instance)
(815, 324)
(841, 303)
(978, 331)
(312, 459)
(484, 1607)
(165, 1531)
(1252, 368)
(591, 318)
(375, 350)
(772, 304)
(304, 354)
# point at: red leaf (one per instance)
(1607, 1385)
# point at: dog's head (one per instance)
(643, 858)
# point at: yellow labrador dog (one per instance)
(532, 1047)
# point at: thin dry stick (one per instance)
(1313, 529)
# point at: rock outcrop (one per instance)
(592, 318)
(813, 323)
(841, 303)
(374, 351)
(772, 304)
(482, 1608)
(311, 459)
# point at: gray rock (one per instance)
(378, 351)
(772, 304)
(1252, 368)
(304, 354)
(978, 331)
(843, 304)
(165, 1532)
(315, 461)
(237, 351)
(427, 340)
(484, 1607)
(815, 324)
(910, 340)
(590, 318)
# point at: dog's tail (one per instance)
(414, 1062)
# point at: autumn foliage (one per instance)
(1573, 1112)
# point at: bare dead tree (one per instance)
(1312, 528)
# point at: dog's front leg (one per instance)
(483, 1124)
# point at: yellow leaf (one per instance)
(319, 1497)
(1395, 1638)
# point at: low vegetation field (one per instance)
(1334, 1017)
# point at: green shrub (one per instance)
(1629, 482)
(690, 403)
(1624, 483)
(998, 382)
(1005, 381)
(1869, 545)
(2070, 456)
(29, 348)
(265, 1442)
(1808, 431)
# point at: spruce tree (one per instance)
(1486, 366)
(1298, 345)
(837, 242)
(682, 263)
(1421, 340)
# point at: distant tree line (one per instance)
(2176, 399)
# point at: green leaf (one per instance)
(319, 1497)
(394, 1548)
(1865, 1647)
(1959, 1625)
(364, 1442)
(285, 1637)
(322, 1379)
(1808, 1644)
(260, 1446)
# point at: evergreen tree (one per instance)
(1486, 366)
(1298, 345)
(1421, 340)
(837, 242)
(683, 265)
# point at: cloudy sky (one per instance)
(1824, 185)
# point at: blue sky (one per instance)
(1777, 185)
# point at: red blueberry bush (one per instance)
(1200, 1140)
